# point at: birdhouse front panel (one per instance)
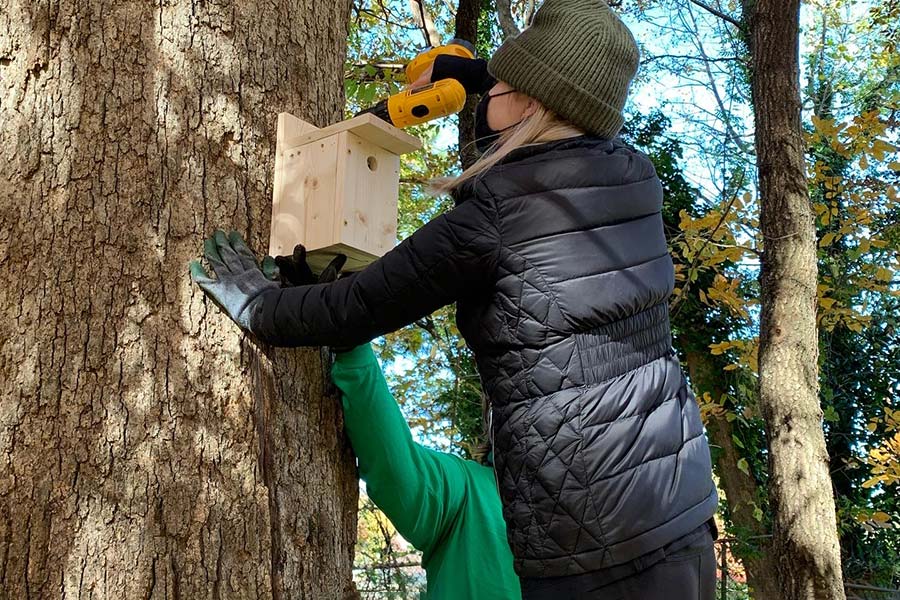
(370, 175)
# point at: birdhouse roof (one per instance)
(368, 127)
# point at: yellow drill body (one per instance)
(427, 102)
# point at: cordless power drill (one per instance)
(427, 102)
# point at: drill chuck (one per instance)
(380, 110)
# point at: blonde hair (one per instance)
(541, 126)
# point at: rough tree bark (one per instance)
(805, 529)
(147, 448)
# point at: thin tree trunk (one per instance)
(507, 22)
(423, 21)
(147, 448)
(741, 490)
(467, 15)
(805, 530)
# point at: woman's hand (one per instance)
(470, 72)
(424, 78)
(294, 270)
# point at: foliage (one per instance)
(691, 114)
(386, 566)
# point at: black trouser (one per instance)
(688, 573)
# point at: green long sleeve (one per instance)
(418, 489)
(449, 508)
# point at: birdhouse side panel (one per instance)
(288, 129)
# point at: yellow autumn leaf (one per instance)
(881, 517)
(826, 240)
(716, 259)
(720, 348)
(872, 482)
(825, 127)
(730, 254)
(880, 148)
(883, 274)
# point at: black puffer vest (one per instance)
(598, 445)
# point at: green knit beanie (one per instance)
(577, 58)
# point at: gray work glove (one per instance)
(239, 281)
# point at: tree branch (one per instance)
(385, 19)
(424, 21)
(714, 88)
(507, 23)
(389, 565)
(529, 14)
(725, 17)
(656, 57)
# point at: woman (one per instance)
(556, 259)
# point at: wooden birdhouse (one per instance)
(336, 189)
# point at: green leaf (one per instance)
(744, 466)
(831, 415)
(737, 441)
(367, 94)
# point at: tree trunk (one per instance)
(740, 489)
(147, 448)
(805, 530)
(467, 15)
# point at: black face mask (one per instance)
(484, 135)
